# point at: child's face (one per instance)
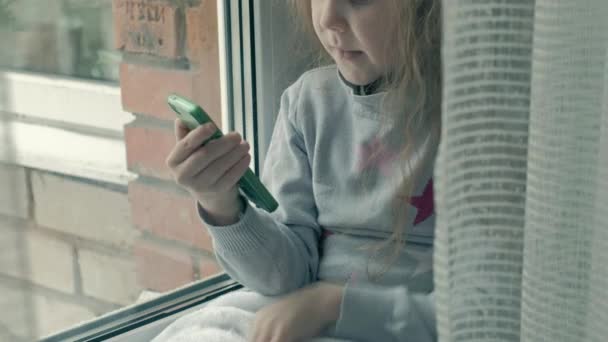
(355, 33)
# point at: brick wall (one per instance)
(72, 249)
(65, 251)
(168, 47)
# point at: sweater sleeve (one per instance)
(276, 253)
(380, 313)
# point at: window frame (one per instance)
(127, 319)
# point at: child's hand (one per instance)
(210, 172)
(300, 316)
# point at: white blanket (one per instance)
(228, 319)
(215, 324)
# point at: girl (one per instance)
(350, 164)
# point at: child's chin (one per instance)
(355, 76)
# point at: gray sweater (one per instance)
(333, 168)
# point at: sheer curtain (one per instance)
(522, 172)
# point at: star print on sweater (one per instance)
(424, 203)
(376, 155)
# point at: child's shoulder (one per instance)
(312, 93)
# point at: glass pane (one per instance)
(91, 219)
(64, 37)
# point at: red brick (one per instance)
(202, 35)
(144, 89)
(203, 52)
(208, 268)
(160, 268)
(148, 148)
(167, 214)
(151, 27)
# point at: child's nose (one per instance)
(332, 17)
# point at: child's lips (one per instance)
(349, 54)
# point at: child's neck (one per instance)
(367, 89)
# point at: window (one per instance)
(61, 37)
(81, 163)
(61, 147)
(58, 71)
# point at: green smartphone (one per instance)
(193, 116)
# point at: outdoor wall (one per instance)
(169, 46)
(74, 248)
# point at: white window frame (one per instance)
(63, 125)
(237, 72)
(258, 63)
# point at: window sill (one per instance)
(63, 125)
(142, 322)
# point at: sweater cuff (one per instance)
(246, 235)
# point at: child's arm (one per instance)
(380, 313)
(370, 313)
(276, 253)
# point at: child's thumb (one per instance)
(180, 130)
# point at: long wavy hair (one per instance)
(413, 49)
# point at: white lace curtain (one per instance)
(522, 172)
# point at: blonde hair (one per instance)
(414, 51)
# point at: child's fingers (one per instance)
(223, 164)
(188, 144)
(180, 129)
(204, 157)
(233, 175)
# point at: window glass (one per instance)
(63, 37)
